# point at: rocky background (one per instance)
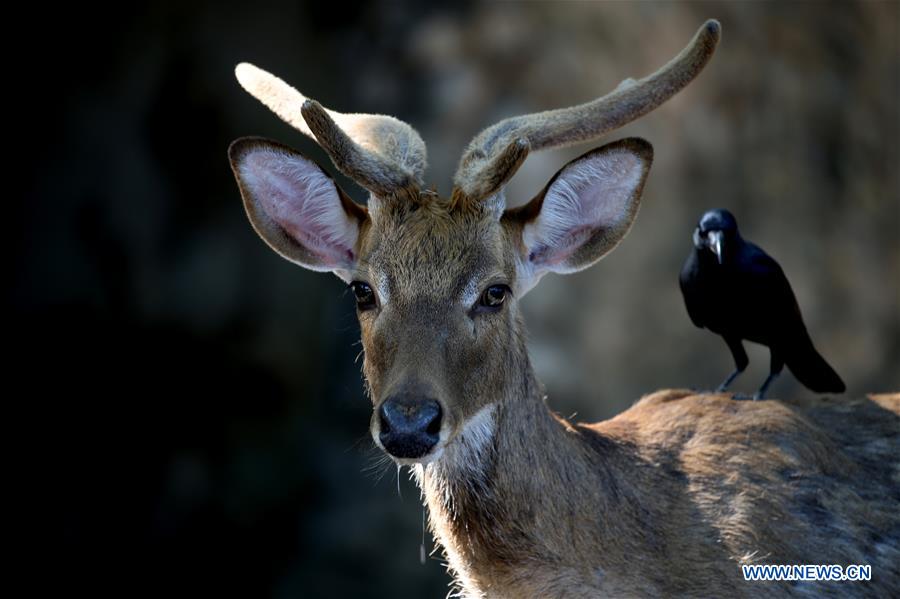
(197, 425)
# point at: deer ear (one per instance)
(583, 212)
(296, 207)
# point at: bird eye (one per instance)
(492, 298)
(365, 296)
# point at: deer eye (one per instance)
(365, 296)
(492, 298)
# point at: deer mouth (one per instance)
(409, 446)
(421, 458)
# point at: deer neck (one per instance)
(487, 494)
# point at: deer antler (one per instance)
(493, 157)
(379, 152)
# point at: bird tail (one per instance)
(812, 370)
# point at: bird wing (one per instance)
(774, 291)
(787, 328)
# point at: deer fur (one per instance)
(667, 499)
(670, 497)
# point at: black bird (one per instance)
(735, 289)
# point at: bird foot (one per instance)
(743, 397)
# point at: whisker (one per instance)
(355, 444)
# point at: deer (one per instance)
(668, 498)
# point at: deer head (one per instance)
(438, 280)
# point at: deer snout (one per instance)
(410, 427)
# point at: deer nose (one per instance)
(410, 427)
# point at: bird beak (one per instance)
(714, 241)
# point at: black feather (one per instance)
(744, 295)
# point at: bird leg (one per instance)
(740, 361)
(776, 365)
(730, 379)
(761, 394)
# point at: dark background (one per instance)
(199, 426)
